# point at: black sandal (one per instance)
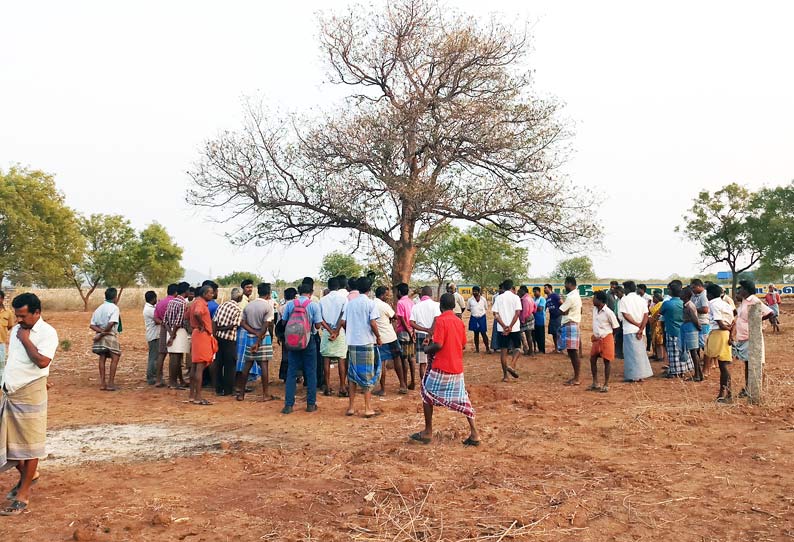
(419, 438)
(14, 509)
(12, 495)
(470, 442)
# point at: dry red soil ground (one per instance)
(652, 461)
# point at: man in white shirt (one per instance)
(390, 349)
(570, 340)
(506, 312)
(460, 303)
(478, 321)
(634, 316)
(152, 336)
(105, 325)
(333, 345)
(23, 423)
(422, 316)
(604, 324)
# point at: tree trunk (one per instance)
(734, 282)
(404, 259)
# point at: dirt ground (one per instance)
(652, 461)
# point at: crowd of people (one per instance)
(363, 334)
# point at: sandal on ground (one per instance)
(14, 509)
(604, 389)
(403, 391)
(379, 393)
(572, 382)
(470, 442)
(512, 372)
(593, 387)
(342, 393)
(203, 402)
(328, 392)
(373, 415)
(12, 495)
(350, 413)
(160, 385)
(725, 400)
(240, 397)
(419, 438)
(744, 393)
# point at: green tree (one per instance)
(726, 225)
(441, 124)
(236, 277)
(160, 256)
(579, 267)
(438, 261)
(39, 234)
(111, 255)
(339, 263)
(485, 258)
(773, 228)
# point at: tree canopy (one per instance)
(160, 257)
(441, 123)
(486, 259)
(726, 226)
(39, 234)
(579, 267)
(339, 263)
(236, 277)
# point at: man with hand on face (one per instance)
(23, 408)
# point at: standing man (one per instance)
(478, 321)
(390, 349)
(226, 321)
(105, 323)
(460, 303)
(443, 384)
(360, 321)
(613, 299)
(553, 303)
(642, 291)
(634, 313)
(248, 291)
(422, 316)
(203, 343)
(257, 322)
(527, 320)
(405, 333)
(741, 329)
(507, 314)
(333, 351)
(604, 324)
(152, 336)
(23, 410)
(6, 324)
(539, 333)
(690, 331)
(307, 316)
(162, 342)
(701, 303)
(570, 340)
(178, 340)
(679, 362)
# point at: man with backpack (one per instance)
(303, 318)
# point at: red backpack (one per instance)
(298, 330)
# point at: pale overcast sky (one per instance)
(116, 99)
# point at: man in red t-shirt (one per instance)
(443, 383)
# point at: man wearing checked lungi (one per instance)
(443, 383)
(23, 408)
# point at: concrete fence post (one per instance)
(755, 367)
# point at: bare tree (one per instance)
(441, 125)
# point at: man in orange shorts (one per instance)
(604, 322)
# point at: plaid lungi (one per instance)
(108, 344)
(407, 347)
(23, 423)
(421, 356)
(679, 360)
(363, 367)
(569, 336)
(263, 353)
(447, 390)
(242, 347)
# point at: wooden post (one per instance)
(755, 367)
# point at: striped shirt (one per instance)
(175, 312)
(228, 314)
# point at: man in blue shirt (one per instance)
(539, 333)
(305, 359)
(553, 303)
